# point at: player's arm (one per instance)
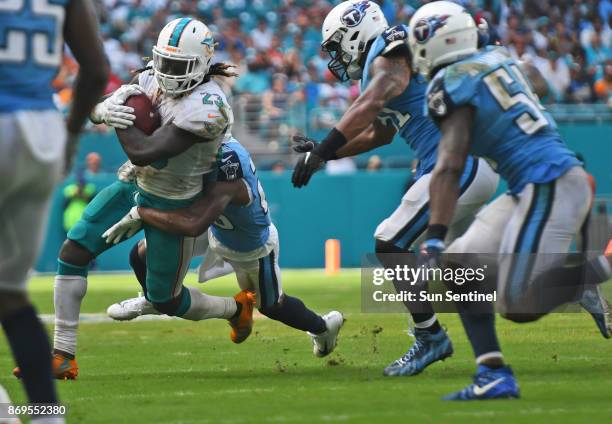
(81, 35)
(195, 220)
(535, 77)
(374, 136)
(444, 187)
(166, 142)
(390, 77)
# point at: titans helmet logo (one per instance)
(426, 28)
(354, 14)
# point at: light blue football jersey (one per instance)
(241, 228)
(511, 128)
(31, 49)
(405, 112)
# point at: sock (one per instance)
(204, 306)
(140, 268)
(68, 295)
(480, 330)
(291, 311)
(427, 322)
(390, 256)
(30, 346)
(493, 359)
(479, 324)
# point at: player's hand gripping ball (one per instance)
(147, 117)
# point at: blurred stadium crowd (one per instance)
(284, 85)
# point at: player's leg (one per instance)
(27, 184)
(264, 275)
(533, 276)
(395, 236)
(134, 307)
(167, 261)
(83, 244)
(207, 306)
(408, 224)
(484, 236)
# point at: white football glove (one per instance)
(127, 172)
(112, 112)
(129, 225)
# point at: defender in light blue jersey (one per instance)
(484, 105)
(363, 48)
(235, 233)
(36, 148)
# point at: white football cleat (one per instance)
(325, 343)
(131, 308)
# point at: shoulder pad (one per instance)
(394, 37)
(230, 168)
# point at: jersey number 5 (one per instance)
(499, 82)
(46, 45)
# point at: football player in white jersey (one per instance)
(36, 146)
(170, 164)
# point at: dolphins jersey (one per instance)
(204, 111)
(241, 228)
(511, 128)
(31, 48)
(405, 112)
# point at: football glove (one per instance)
(112, 112)
(430, 253)
(129, 225)
(303, 144)
(127, 172)
(307, 165)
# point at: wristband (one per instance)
(437, 231)
(326, 150)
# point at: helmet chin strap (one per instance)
(354, 71)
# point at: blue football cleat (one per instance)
(489, 383)
(596, 304)
(427, 349)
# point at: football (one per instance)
(147, 117)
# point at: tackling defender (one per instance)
(483, 105)
(35, 148)
(233, 225)
(171, 164)
(363, 48)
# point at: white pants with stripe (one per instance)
(256, 270)
(31, 163)
(531, 232)
(407, 224)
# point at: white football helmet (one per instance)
(182, 55)
(346, 31)
(441, 32)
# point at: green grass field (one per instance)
(185, 372)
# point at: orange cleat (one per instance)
(608, 251)
(63, 368)
(242, 325)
